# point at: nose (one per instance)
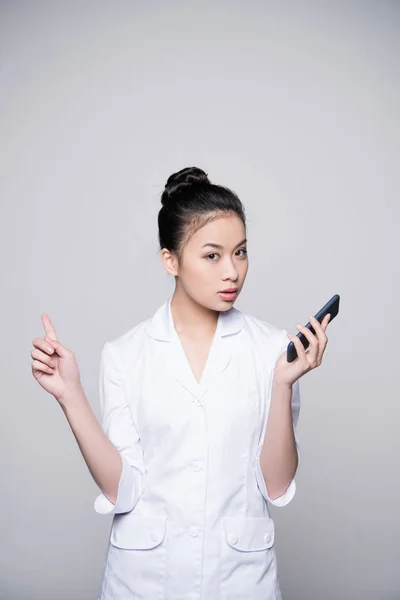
(230, 271)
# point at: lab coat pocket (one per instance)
(248, 560)
(138, 558)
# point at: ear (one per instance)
(169, 262)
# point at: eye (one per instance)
(216, 253)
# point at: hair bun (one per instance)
(181, 181)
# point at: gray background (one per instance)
(295, 106)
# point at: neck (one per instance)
(192, 319)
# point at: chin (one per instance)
(226, 304)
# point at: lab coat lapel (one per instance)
(161, 327)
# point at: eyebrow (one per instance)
(219, 245)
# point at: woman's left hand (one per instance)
(286, 372)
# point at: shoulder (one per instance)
(125, 346)
(258, 326)
(265, 334)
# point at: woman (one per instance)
(199, 412)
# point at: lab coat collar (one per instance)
(161, 327)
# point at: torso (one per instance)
(196, 426)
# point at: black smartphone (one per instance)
(331, 307)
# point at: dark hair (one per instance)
(189, 200)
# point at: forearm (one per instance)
(101, 456)
(279, 458)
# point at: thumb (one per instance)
(59, 348)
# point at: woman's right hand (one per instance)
(53, 365)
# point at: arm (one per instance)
(278, 451)
(111, 450)
(279, 456)
(101, 456)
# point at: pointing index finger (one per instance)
(48, 326)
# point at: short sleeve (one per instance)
(118, 425)
(291, 490)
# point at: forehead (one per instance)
(225, 230)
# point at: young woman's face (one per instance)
(214, 259)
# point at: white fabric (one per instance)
(191, 519)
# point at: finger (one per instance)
(37, 365)
(320, 331)
(43, 357)
(312, 353)
(319, 327)
(43, 345)
(301, 352)
(59, 348)
(325, 321)
(313, 340)
(48, 326)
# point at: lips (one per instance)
(228, 291)
(228, 295)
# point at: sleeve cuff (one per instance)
(129, 490)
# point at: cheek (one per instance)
(243, 267)
(198, 272)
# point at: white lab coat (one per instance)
(191, 519)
